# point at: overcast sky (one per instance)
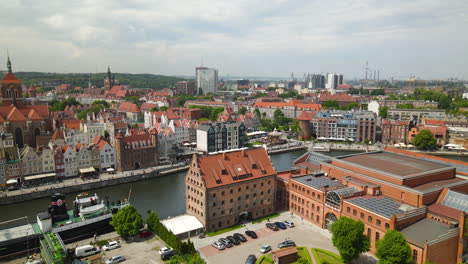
(426, 38)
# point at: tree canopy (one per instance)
(383, 112)
(127, 222)
(56, 105)
(393, 248)
(424, 140)
(331, 104)
(242, 111)
(348, 237)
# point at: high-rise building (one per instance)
(318, 81)
(206, 80)
(333, 80)
(185, 88)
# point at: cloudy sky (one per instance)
(426, 38)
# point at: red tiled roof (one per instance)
(10, 78)
(431, 122)
(100, 142)
(147, 106)
(72, 124)
(292, 103)
(443, 210)
(133, 140)
(58, 134)
(33, 115)
(306, 115)
(128, 107)
(236, 165)
(120, 125)
(15, 115)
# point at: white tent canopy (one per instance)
(12, 181)
(182, 224)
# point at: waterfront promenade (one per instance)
(77, 184)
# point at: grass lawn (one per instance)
(302, 252)
(224, 230)
(324, 256)
(261, 219)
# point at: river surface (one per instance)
(165, 195)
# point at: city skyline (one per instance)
(399, 38)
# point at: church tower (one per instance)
(109, 80)
(10, 88)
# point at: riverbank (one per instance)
(78, 185)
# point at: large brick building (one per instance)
(421, 197)
(137, 150)
(226, 188)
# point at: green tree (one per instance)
(393, 248)
(257, 113)
(163, 108)
(383, 112)
(154, 109)
(348, 237)
(106, 134)
(127, 222)
(102, 102)
(152, 221)
(331, 104)
(424, 140)
(242, 111)
(295, 128)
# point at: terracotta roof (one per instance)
(285, 252)
(120, 125)
(72, 124)
(135, 141)
(443, 210)
(128, 107)
(33, 115)
(58, 134)
(292, 103)
(15, 115)
(431, 122)
(100, 142)
(147, 106)
(10, 78)
(115, 89)
(306, 115)
(237, 167)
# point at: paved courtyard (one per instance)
(304, 234)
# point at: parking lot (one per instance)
(304, 234)
(141, 250)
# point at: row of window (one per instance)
(300, 210)
(370, 219)
(299, 188)
(239, 189)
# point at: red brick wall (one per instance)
(444, 252)
(445, 175)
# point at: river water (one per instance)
(165, 195)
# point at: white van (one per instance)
(84, 251)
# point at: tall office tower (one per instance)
(318, 81)
(340, 79)
(206, 80)
(332, 81)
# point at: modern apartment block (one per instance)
(227, 188)
(419, 195)
(186, 88)
(221, 136)
(206, 80)
(356, 126)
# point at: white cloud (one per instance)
(249, 37)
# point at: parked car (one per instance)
(251, 234)
(251, 259)
(115, 259)
(265, 248)
(288, 223)
(165, 250)
(111, 245)
(225, 242)
(272, 226)
(145, 233)
(241, 237)
(287, 243)
(218, 245)
(85, 251)
(233, 240)
(166, 255)
(280, 225)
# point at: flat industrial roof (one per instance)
(396, 164)
(15, 233)
(182, 224)
(316, 182)
(424, 231)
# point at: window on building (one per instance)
(354, 212)
(369, 219)
(362, 215)
(387, 226)
(415, 256)
(377, 236)
(369, 233)
(348, 210)
(378, 222)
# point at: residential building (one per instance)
(394, 131)
(318, 81)
(186, 113)
(186, 88)
(417, 194)
(228, 188)
(69, 160)
(10, 162)
(333, 80)
(440, 133)
(166, 143)
(415, 114)
(206, 103)
(131, 110)
(206, 80)
(106, 152)
(32, 163)
(375, 105)
(136, 151)
(356, 126)
(92, 130)
(291, 109)
(59, 160)
(221, 136)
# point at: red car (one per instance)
(145, 233)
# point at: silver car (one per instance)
(265, 248)
(115, 259)
(288, 223)
(218, 245)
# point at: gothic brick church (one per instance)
(27, 123)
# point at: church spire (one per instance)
(108, 72)
(9, 64)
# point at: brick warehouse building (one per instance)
(225, 188)
(421, 197)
